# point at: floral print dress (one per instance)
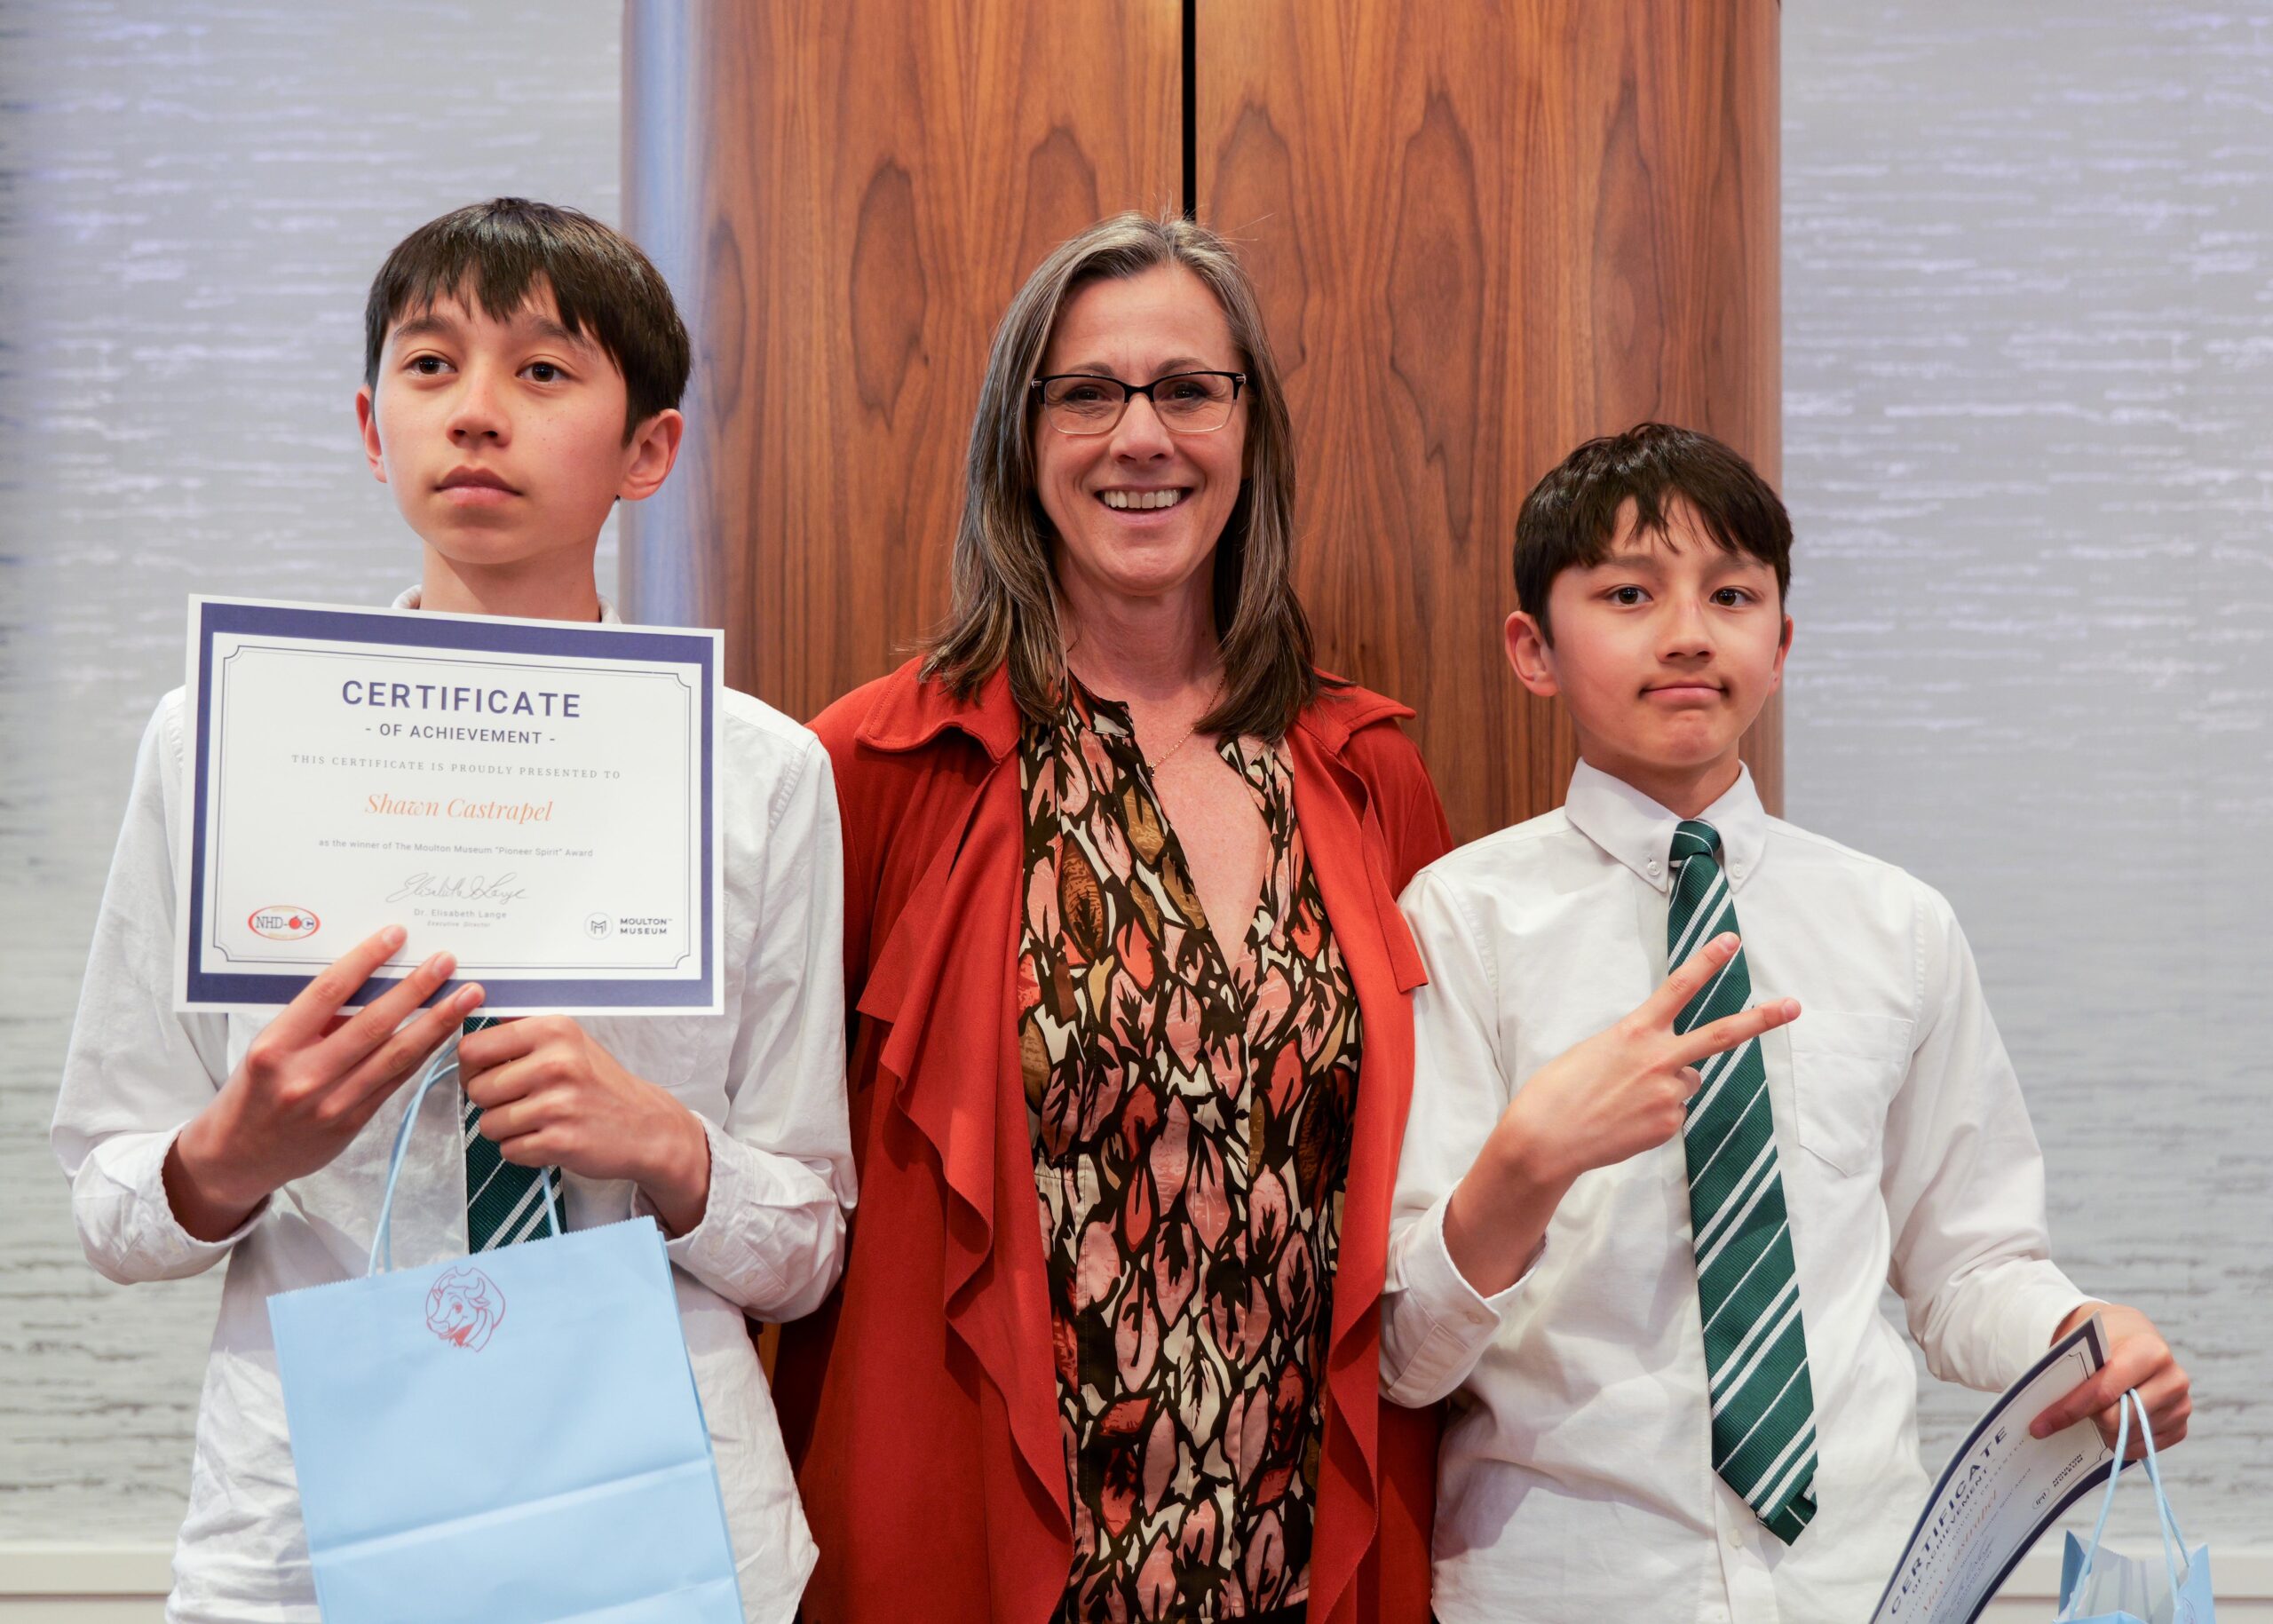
(1192, 1128)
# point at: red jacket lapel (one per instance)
(1343, 832)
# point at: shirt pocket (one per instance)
(1845, 1068)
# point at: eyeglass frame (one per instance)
(1130, 391)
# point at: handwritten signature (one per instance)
(460, 887)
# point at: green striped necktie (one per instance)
(504, 1202)
(1755, 1346)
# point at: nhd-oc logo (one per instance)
(283, 922)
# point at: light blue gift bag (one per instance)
(511, 1439)
(2099, 1587)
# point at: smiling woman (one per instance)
(1182, 1058)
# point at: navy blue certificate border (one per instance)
(212, 618)
(2093, 1477)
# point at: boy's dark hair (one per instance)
(496, 254)
(1570, 517)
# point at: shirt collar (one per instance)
(1630, 827)
(409, 599)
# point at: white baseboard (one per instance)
(126, 1584)
(84, 1584)
(2242, 1574)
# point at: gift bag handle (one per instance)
(2174, 1541)
(443, 1064)
(2168, 1519)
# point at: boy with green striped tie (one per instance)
(523, 366)
(1648, 1261)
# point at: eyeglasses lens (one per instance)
(1188, 403)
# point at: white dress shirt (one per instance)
(1575, 1480)
(766, 1077)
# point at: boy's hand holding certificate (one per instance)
(538, 799)
(2000, 1491)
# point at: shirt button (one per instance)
(1655, 865)
(1736, 1537)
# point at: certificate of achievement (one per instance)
(539, 799)
(1999, 1493)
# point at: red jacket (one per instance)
(921, 1403)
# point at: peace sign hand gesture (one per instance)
(1626, 1089)
(1620, 1092)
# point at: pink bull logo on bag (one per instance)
(465, 1307)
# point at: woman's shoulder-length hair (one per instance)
(1005, 610)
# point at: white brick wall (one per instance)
(2028, 314)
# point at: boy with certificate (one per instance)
(1651, 1266)
(523, 368)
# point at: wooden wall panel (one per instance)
(845, 194)
(1484, 233)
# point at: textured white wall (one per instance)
(193, 197)
(2028, 285)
